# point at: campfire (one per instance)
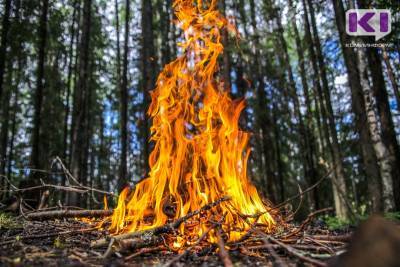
(197, 200)
(200, 154)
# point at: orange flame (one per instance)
(200, 154)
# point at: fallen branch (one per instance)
(168, 228)
(60, 214)
(297, 253)
(341, 238)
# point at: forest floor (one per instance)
(67, 242)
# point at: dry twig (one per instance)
(306, 221)
(223, 254)
(305, 191)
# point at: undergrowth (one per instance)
(335, 223)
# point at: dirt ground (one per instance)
(67, 243)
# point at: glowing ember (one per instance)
(200, 154)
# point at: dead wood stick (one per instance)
(305, 191)
(342, 238)
(168, 228)
(223, 254)
(145, 251)
(306, 221)
(109, 249)
(314, 248)
(321, 244)
(70, 176)
(297, 253)
(59, 214)
(43, 199)
(46, 186)
(12, 240)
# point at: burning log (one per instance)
(168, 228)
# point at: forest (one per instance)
(82, 84)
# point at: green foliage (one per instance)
(393, 216)
(334, 223)
(8, 222)
(58, 243)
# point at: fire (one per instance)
(200, 154)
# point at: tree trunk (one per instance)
(381, 151)
(14, 122)
(367, 151)
(309, 125)
(102, 154)
(148, 73)
(386, 144)
(262, 117)
(5, 123)
(14, 109)
(87, 130)
(4, 40)
(75, 93)
(388, 129)
(69, 81)
(80, 100)
(123, 179)
(118, 45)
(38, 98)
(278, 156)
(164, 9)
(305, 150)
(341, 205)
(392, 77)
(226, 66)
